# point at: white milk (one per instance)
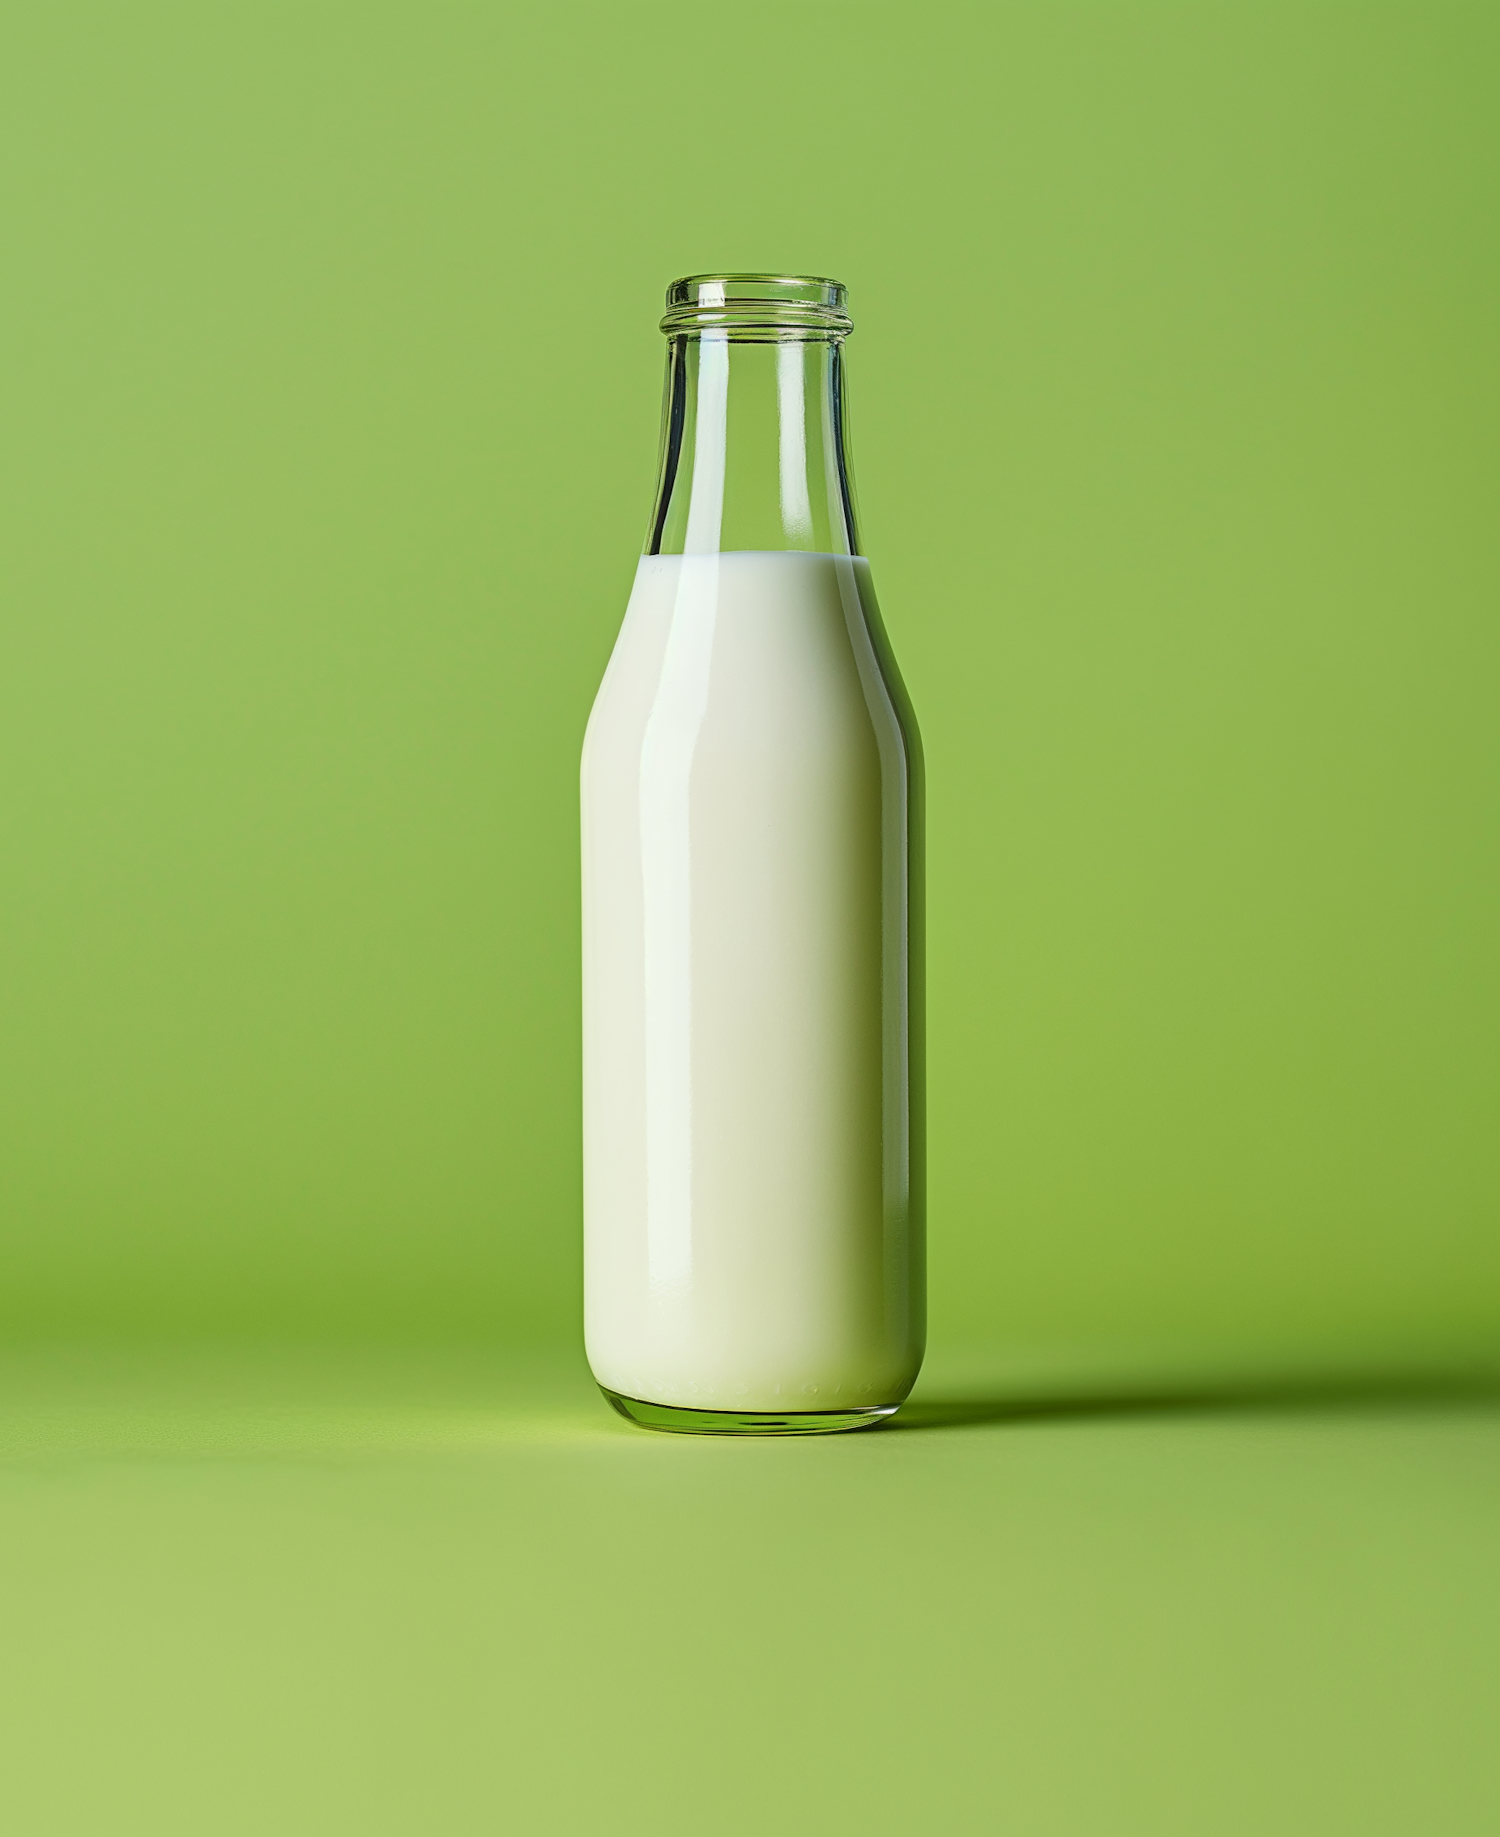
(746, 1179)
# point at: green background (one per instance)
(329, 386)
(331, 393)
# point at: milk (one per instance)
(747, 1179)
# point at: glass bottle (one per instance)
(752, 967)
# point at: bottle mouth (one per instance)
(757, 307)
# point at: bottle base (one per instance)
(673, 1421)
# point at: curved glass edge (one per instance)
(739, 305)
(674, 1421)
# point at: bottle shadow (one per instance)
(1477, 1388)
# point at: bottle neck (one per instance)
(754, 451)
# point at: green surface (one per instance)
(328, 412)
(432, 1592)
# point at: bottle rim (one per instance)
(757, 306)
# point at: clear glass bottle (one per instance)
(751, 787)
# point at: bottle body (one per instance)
(752, 1154)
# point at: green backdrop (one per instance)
(330, 385)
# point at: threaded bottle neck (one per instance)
(754, 452)
(757, 308)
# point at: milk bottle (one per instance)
(751, 794)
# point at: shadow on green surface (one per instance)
(1478, 1388)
